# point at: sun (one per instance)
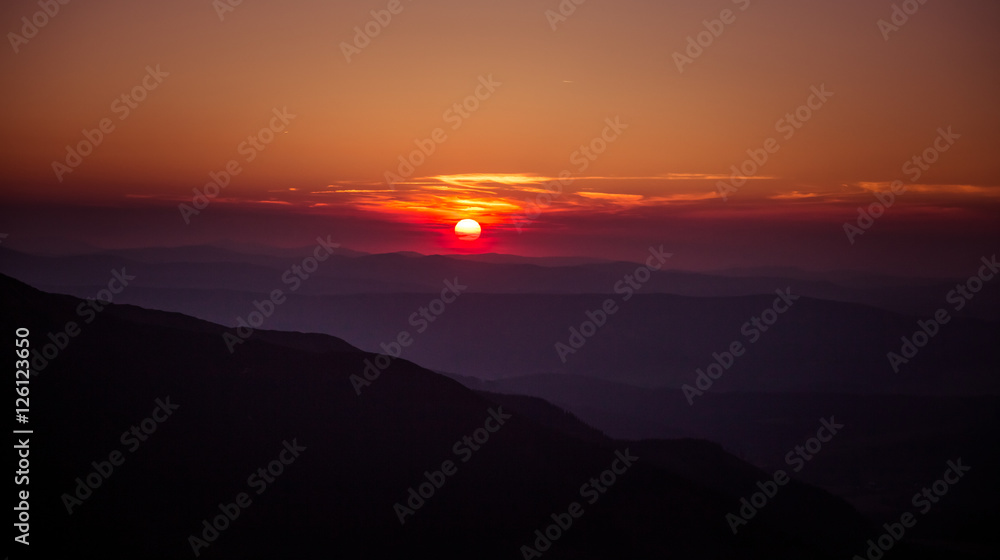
(468, 230)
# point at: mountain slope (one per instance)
(235, 414)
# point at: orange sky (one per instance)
(543, 94)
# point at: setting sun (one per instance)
(468, 230)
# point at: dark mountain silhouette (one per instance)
(361, 455)
(891, 444)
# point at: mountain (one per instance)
(891, 445)
(652, 339)
(339, 461)
(348, 272)
(500, 258)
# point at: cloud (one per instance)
(497, 198)
(613, 197)
(972, 190)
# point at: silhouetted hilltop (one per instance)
(356, 457)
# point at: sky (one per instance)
(597, 130)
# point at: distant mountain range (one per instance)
(510, 318)
(351, 272)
